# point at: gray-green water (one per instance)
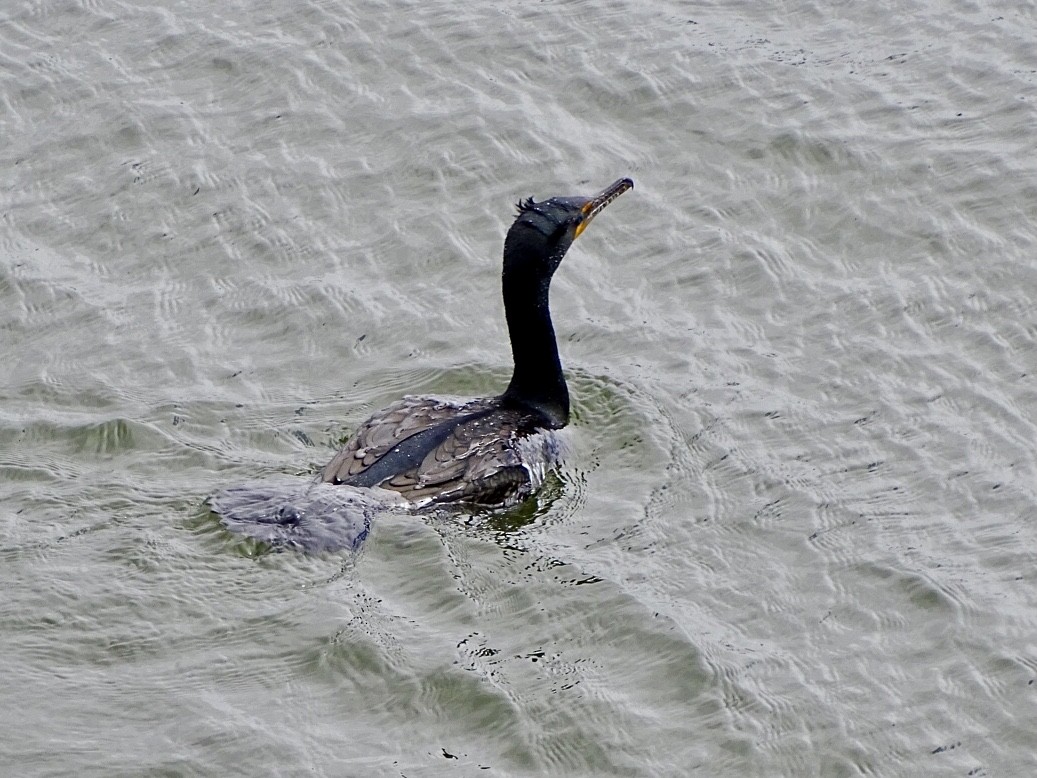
(796, 531)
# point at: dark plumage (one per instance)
(489, 451)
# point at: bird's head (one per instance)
(544, 230)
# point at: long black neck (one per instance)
(537, 382)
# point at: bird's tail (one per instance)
(308, 515)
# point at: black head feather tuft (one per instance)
(525, 205)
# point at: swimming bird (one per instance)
(492, 451)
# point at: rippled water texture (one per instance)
(795, 534)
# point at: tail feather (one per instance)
(307, 515)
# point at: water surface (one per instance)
(795, 534)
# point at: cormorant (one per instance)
(491, 451)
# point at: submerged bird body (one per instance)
(490, 451)
(437, 450)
